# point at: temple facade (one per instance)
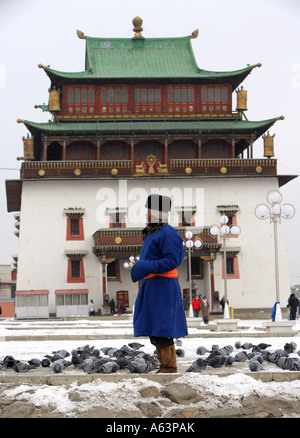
(142, 118)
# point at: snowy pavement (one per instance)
(218, 386)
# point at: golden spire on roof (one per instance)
(80, 34)
(137, 23)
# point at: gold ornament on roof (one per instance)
(137, 23)
(80, 34)
(195, 34)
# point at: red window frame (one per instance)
(70, 235)
(112, 99)
(114, 150)
(147, 99)
(215, 98)
(180, 99)
(182, 150)
(116, 268)
(80, 100)
(81, 277)
(236, 272)
(82, 148)
(212, 149)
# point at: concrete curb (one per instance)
(69, 377)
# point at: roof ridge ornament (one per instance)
(259, 64)
(137, 23)
(80, 34)
(195, 34)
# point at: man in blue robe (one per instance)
(159, 311)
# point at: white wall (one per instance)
(42, 263)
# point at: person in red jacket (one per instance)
(196, 306)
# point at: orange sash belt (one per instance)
(169, 274)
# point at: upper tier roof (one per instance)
(139, 58)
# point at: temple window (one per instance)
(81, 150)
(186, 216)
(114, 99)
(113, 271)
(215, 149)
(73, 297)
(75, 229)
(230, 211)
(80, 99)
(115, 150)
(147, 99)
(182, 149)
(180, 99)
(232, 267)
(214, 99)
(32, 298)
(75, 272)
(117, 217)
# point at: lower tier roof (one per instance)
(142, 126)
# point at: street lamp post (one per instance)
(224, 231)
(189, 243)
(128, 265)
(275, 211)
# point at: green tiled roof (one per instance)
(144, 58)
(123, 127)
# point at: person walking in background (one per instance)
(92, 308)
(293, 304)
(159, 311)
(112, 306)
(205, 310)
(222, 302)
(196, 306)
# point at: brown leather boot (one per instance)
(159, 358)
(167, 358)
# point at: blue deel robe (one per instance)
(158, 309)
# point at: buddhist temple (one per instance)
(142, 117)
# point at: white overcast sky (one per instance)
(232, 34)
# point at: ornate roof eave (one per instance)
(117, 127)
(235, 77)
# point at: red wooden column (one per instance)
(166, 151)
(104, 279)
(45, 149)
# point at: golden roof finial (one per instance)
(195, 33)
(80, 34)
(137, 23)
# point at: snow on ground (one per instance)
(218, 391)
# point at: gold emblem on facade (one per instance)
(188, 170)
(77, 172)
(140, 169)
(118, 240)
(114, 171)
(223, 170)
(258, 169)
(151, 160)
(41, 172)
